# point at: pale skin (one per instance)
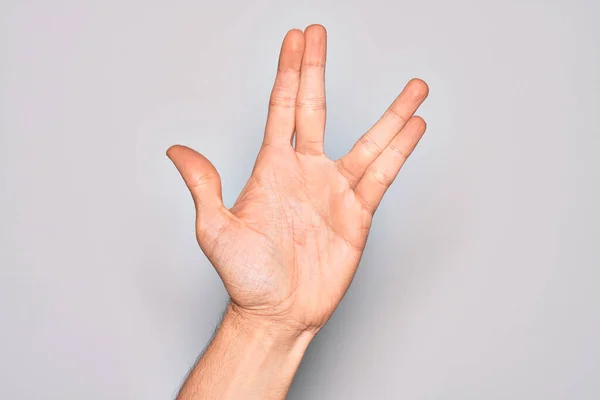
(288, 249)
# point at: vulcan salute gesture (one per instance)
(288, 249)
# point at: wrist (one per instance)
(250, 357)
(280, 331)
(257, 358)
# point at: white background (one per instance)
(480, 278)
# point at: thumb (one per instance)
(204, 183)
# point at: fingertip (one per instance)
(316, 28)
(171, 149)
(419, 122)
(315, 51)
(316, 34)
(293, 33)
(418, 88)
(174, 149)
(294, 41)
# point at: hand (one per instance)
(288, 249)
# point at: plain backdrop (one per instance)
(480, 278)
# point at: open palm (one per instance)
(289, 247)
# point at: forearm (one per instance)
(247, 359)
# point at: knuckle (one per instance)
(316, 64)
(346, 172)
(199, 180)
(370, 208)
(312, 103)
(381, 176)
(281, 97)
(398, 151)
(369, 146)
(394, 116)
